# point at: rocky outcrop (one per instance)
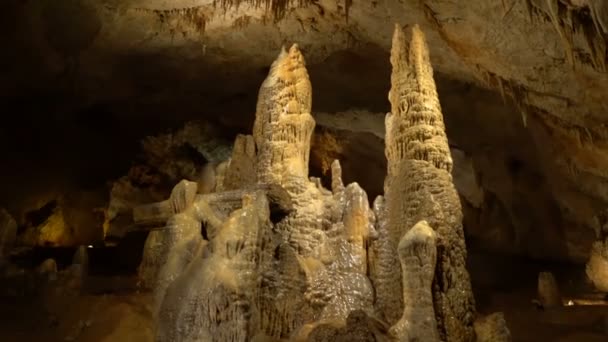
(283, 125)
(419, 186)
(548, 291)
(597, 266)
(180, 229)
(279, 257)
(214, 298)
(418, 255)
(492, 328)
(311, 268)
(240, 171)
(359, 327)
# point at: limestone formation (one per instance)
(359, 327)
(79, 269)
(597, 266)
(418, 254)
(240, 171)
(492, 328)
(160, 242)
(548, 291)
(269, 254)
(213, 299)
(283, 124)
(182, 197)
(419, 187)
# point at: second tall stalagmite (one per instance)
(419, 187)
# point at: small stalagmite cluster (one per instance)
(261, 252)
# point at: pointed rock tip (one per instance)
(418, 38)
(278, 61)
(294, 48)
(398, 34)
(282, 53)
(295, 52)
(398, 29)
(421, 232)
(399, 46)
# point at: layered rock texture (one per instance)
(270, 253)
(419, 187)
(267, 253)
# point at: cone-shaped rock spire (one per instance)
(419, 187)
(414, 129)
(283, 124)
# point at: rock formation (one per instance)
(277, 254)
(419, 187)
(492, 328)
(267, 253)
(418, 254)
(548, 291)
(597, 266)
(283, 124)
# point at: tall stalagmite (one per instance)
(281, 258)
(419, 187)
(283, 124)
(279, 255)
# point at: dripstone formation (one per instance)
(261, 252)
(419, 187)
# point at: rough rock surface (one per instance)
(283, 258)
(548, 291)
(419, 186)
(492, 328)
(597, 266)
(418, 255)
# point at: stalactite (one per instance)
(278, 8)
(180, 20)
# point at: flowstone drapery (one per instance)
(266, 253)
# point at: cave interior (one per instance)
(109, 104)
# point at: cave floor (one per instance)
(89, 317)
(111, 308)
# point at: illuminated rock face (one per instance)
(283, 124)
(418, 255)
(597, 266)
(419, 187)
(267, 254)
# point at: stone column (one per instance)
(283, 124)
(418, 255)
(419, 184)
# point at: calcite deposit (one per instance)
(266, 253)
(419, 187)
